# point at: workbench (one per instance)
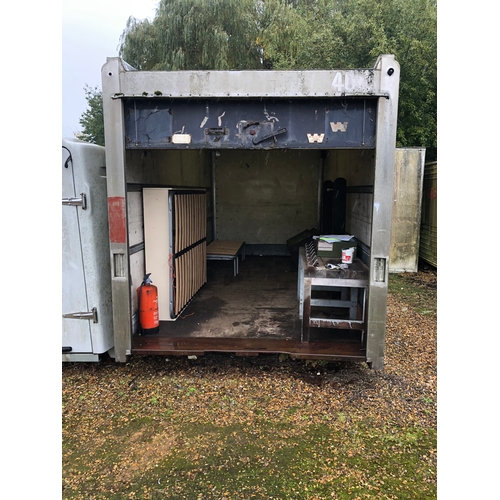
(350, 286)
(226, 250)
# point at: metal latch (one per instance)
(76, 202)
(83, 315)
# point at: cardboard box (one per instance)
(334, 250)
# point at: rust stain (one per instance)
(117, 219)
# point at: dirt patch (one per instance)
(144, 452)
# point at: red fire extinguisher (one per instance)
(147, 296)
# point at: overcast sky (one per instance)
(91, 32)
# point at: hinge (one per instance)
(83, 315)
(76, 202)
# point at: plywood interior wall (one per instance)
(266, 197)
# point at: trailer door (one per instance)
(75, 331)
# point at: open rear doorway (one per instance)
(264, 199)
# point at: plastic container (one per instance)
(347, 255)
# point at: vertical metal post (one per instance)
(385, 149)
(114, 136)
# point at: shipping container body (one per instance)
(267, 152)
(87, 323)
(428, 228)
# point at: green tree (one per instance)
(92, 120)
(195, 35)
(351, 34)
(283, 34)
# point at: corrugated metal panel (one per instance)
(428, 227)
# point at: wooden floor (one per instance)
(256, 311)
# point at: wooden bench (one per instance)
(226, 250)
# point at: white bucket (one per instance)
(347, 255)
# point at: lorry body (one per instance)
(252, 158)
